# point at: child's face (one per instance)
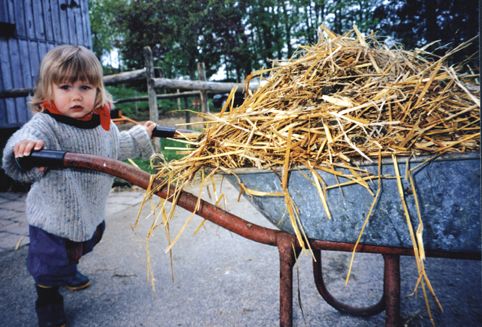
(74, 100)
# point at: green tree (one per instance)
(415, 23)
(144, 24)
(230, 36)
(180, 34)
(239, 35)
(106, 34)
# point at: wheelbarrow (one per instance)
(456, 194)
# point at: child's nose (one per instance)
(77, 95)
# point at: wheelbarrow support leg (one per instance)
(392, 290)
(331, 300)
(287, 261)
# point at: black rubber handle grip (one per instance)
(42, 158)
(164, 131)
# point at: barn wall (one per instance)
(38, 26)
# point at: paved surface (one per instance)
(218, 278)
(13, 227)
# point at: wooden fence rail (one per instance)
(138, 75)
(159, 97)
(124, 77)
(213, 87)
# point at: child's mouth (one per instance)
(76, 108)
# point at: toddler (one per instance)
(65, 208)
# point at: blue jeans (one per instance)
(52, 260)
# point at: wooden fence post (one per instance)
(187, 118)
(204, 95)
(187, 114)
(151, 92)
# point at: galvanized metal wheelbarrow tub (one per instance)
(449, 191)
(447, 188)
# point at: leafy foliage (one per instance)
(242, 36)
(415, 23)
(106, 34)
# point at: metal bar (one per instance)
(348, 247)
(287, 260)
(392, 290)
(330, 299)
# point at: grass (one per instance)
(170, 154)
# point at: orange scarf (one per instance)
(103, 112)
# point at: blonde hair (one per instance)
(68, 64)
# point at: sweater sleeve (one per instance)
(135, 143)
(31, 132)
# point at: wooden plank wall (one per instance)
(40, 26)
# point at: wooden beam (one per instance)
(160, 96)
(213, 87)
(139, 74)
(15, 93)
(124, 77)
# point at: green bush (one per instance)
(136, 110)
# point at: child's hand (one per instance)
(25, 147)
(149, 125)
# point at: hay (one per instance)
(343, 99)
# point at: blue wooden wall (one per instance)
(38, 26)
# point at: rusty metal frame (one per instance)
(286, 243)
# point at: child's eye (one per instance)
(86, 87)
(64, 86)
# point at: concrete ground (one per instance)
(217, 278)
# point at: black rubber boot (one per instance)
(78, 282)
(50, 307)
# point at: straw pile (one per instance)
(344, 99)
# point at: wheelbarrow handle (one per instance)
(164, 131)
(42, 158)
(55, 158)
(135, 176)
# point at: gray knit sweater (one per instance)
(71, 203)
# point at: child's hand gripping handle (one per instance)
(42, 158)
(163, 132)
